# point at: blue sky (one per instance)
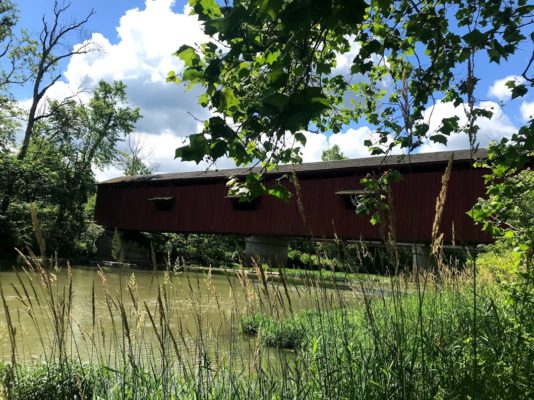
(136, 39)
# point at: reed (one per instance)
(375, 339)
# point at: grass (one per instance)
(336, 275)
(420, 338)
(400, 347)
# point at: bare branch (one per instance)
(44, 89)
(51, 38)
(84, 49)
(6, 50)
(525, 72)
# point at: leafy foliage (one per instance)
(57, 173)
(269, 72)
(333, 154)
(49, 382)
(8, 19)
(508, 211)
(200, 249)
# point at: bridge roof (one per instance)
(313, 167)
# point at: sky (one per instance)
(136, 39)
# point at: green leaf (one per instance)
(213, 70)
(218, 149)
(188, 55)
(280, 192)
(437, 138)
(350, 12)
(519, 91)
(301, 138)
(218, 128)
(172, 77)
(272, 56)
(206, 9)
(276, 101)
(448, 126)
(228, 98)
(192, 74)
(195, 151)
(271, 8)
(476, 38)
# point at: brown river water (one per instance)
(119, 313)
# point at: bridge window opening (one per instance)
(163, 203)
(351, 198)
(238, 205)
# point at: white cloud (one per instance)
(141, 58)
(344, 60)
(315, 144)
(527, 110)
(495, 128)
(350, 142)
(158, 150)
(499, 89)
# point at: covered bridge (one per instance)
(198, 202)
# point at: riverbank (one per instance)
(428, 345)
(325, 277)
(119, 333)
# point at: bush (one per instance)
(59, 381)
(251, 324)
(499, 264)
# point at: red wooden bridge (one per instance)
(198, 202)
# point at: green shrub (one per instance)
(499, 263)
(59, 381)
(251, 324)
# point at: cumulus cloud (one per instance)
(500, 91)
(141, 58)
(344, 60)
(153, 147)
(350, 142)
(527, 110)
(494, 128)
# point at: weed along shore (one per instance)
(119, 333)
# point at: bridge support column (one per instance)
(420, 256)
(269, 249)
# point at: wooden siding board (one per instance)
(204, 208)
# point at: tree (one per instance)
(135, 160)
(508, 211)
(333, 154)
(8, 19)
(269, 72)
(57, 172)
(35, 62)
(8, 110)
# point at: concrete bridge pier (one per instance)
(267, 249)
(420, 256)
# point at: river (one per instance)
(109, 315)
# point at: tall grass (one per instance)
(392, 339)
